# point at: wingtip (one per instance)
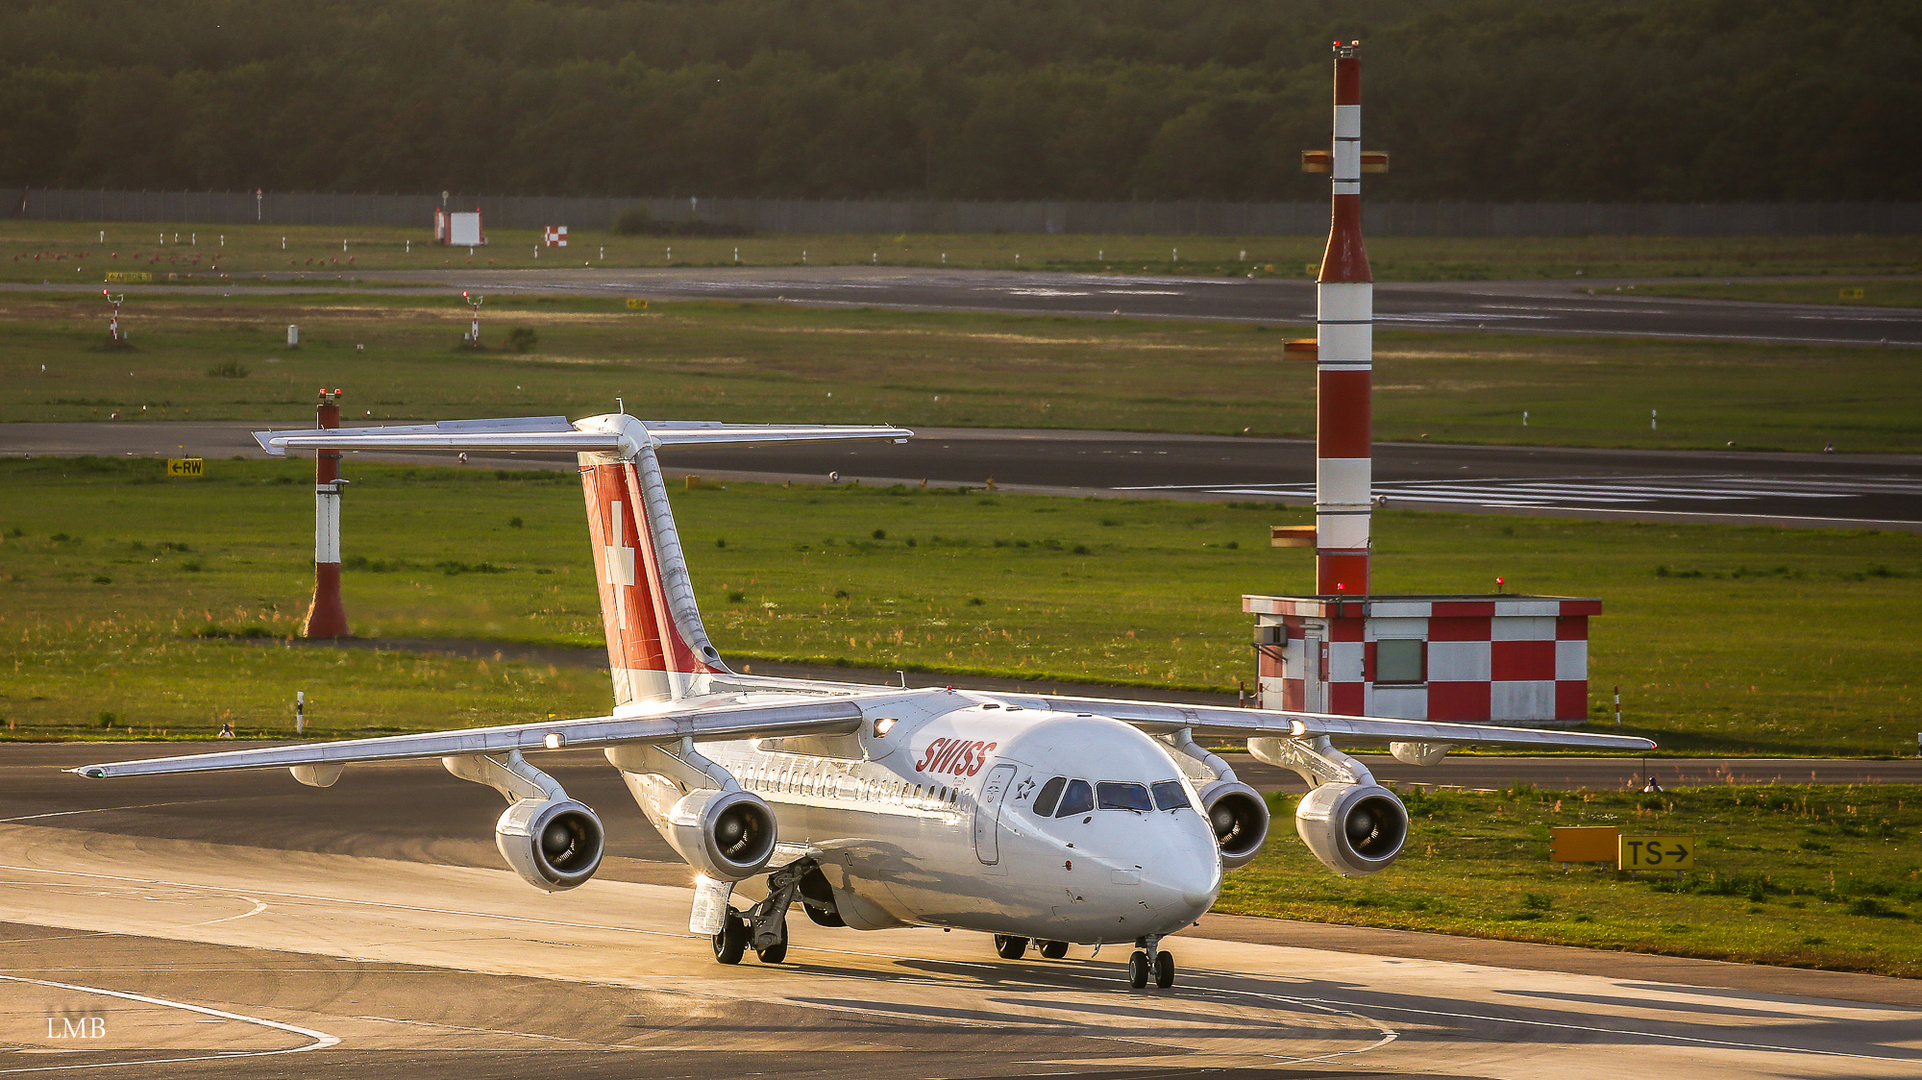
(91, 772)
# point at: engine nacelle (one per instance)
(553, 844)
(1354, 829)
(1238, 815)
(727, 835)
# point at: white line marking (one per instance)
(321, 1040)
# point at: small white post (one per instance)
(737, 255)
(1618, 705)
(1651, 419)
(410, 247)
(1524, 417)
(103, 236)
(603, 252)
(300, 712)
(283, 243)
(293, 336)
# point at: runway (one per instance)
(1816, 490)
(1567, 306)
(218, 925)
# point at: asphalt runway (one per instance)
(216, 925)
(1566, 306)
(1821, 490)
(1553, 306)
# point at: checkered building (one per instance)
(1501, 659)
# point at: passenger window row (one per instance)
(1063, 797)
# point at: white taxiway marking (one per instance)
(321, 1040)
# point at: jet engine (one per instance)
(1239, 817)
(1354, 829)
(727, 835)
(553, 844)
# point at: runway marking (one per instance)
(321, 1040)
(258, 908)
(1590, 1029)
(101, 810)
(1590, 492)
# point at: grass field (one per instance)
(1795, 875)
(1859, 293)
(74, 251)
(226, 358)
(160, 602)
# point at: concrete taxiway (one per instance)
(1882, 491)
(245, 926)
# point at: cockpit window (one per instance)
(1078, 799)
(1170, 796)
(1116, 795)
(1050, 794)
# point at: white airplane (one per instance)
(1038, 819)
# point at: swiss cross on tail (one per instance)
(645, 650)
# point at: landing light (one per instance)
(883, 726)
(554, 740)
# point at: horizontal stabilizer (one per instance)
(554, 434)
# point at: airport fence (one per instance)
(935, 216)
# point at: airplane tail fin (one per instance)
(657, 646)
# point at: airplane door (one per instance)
(987, 814)
(1314, 672)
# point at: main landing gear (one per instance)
(1149, 962)
(764, 926)
(1009, 947)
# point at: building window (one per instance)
(1400, 661)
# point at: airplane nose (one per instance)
(1187, 877)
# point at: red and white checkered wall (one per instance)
(1500, 659)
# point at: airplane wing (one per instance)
(1161, 717)
(833, 716)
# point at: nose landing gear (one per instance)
(1149, 962)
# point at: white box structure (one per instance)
(459, 230)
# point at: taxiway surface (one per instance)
(214, 925)
(1818, 489)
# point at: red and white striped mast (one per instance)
(1344, 378)
(326, 616)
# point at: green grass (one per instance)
(125, 593)
(72, 252)
(208, 358)
(1899, 292)
(1798, 875)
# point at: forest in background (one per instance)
(1502, 100)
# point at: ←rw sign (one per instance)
(186, 466)
(1657, 853)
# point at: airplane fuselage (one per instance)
(928, 816)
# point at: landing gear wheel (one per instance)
(1164, 969)
(1010, 948)
(1054, 950)
(776, 952)
(731, 942)
(1138, 970)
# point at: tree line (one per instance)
(1508, 100)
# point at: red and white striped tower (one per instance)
(326, 616)
(1344, 328)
